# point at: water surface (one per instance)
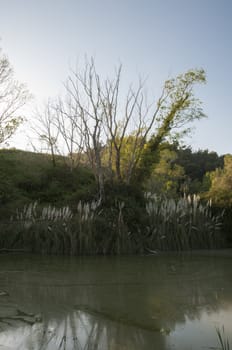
(170, 301)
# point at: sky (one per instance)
(157, 39)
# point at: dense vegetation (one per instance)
(28, 177)
(57, 209)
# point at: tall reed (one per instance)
(55, 230)
(182, 224)
(93, 228)
(222, 338)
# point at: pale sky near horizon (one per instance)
(158, 39)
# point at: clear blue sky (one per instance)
(157, 38)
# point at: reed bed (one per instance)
(93, 228)
(182, 224)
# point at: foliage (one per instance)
(166, 175)
(187, 170)
(196, 165)
(27, 176)
(221, 184)
(176, 108)
(124, 222)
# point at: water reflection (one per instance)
(78, 330)
(156, 302)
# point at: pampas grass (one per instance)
(182, 224)
(91, 228)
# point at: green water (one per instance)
(158, 302)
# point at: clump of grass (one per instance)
(85, 235)
(94, 228)
(182, 224)
(222, 338)
(41, 229)
(54, 230)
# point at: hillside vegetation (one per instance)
(57, 209)
(27, 177)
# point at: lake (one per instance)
(167, 301)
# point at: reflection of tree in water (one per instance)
(190, 285)
(119, 303)
(78, 331)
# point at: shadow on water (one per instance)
(151, 302)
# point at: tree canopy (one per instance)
(221, 183)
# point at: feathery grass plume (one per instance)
(121, 233)
(182, 224)
(43, 229)
(167, 224)
(86, 212)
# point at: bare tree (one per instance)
(45, 128)
(57, 127)
(125, 124)
(115, 131)
(97, 104)
(13, 96)
(70, 126)
(84, 91)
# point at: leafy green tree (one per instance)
(166, 175)
(221, 183)
(13, 95)
(176, 108)
(197, 164)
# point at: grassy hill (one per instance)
(26, 177)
